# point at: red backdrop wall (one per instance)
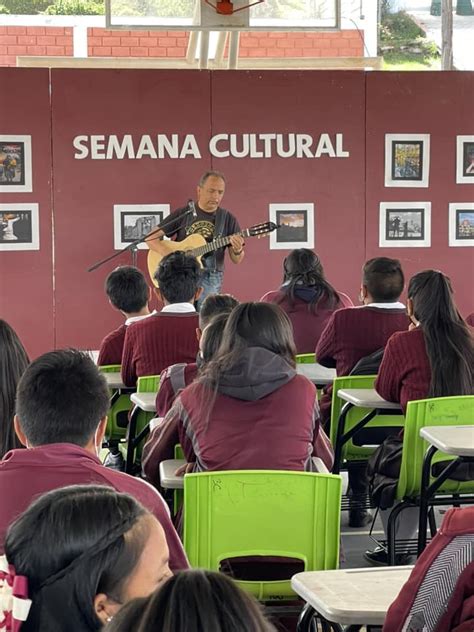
(346, 192)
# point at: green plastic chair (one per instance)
(132, 448)
(262, 513)
(118, 412)
(351, 452)
(305, 358)
(439, 411)
(178, 496)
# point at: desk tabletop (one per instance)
(318, 374)
(168, 478)
(366, 398)
(114, 380)
(455, 440)
(352, 596)
(145, 401)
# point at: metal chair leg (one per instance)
(305, 619)
(432, 522)
(391, 532)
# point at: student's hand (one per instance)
(187, 468)
(237, 244)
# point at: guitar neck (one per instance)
(220, 242)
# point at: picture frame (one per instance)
(461, 224)
(407, 160)
(19, 227)
(15, 164)
(465, 159)
(405, 225)
(296, 225)
(134, 221)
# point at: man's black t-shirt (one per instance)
(204, 224)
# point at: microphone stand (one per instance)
(133, 246)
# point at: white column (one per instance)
(79, 38)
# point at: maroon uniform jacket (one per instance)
(307, 325)
(352, 334)
(470, 319)
(111, 347)
(264, 416)
(26, 474)
(172, 381)
(157, 342)
(439, 594)
(405, 372)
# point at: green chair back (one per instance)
(350, 451)
(118, 412)
(178, 496)
(262, 513)
(439, 411)
(305, 358)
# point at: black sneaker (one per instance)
(359, 518)
(379, 557)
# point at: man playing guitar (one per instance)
(210, 221)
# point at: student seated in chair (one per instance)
(177, 376)
(75, 556)
(168, 336)
(435, 358)
(62, 403)
(470, 320)
(352, 334)
(307, 298)
(128, 292)
(249, 409)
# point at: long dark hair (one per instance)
(72, 544)
(303, 268)
(13, 362)
(196, 600)
(448, 339)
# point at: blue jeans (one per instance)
(211, 283)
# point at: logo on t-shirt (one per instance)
(201, 227)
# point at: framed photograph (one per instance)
(465, 159)
(405, 225)
(134, 221)
(15, 164)
(407, 160)
(296, 226)
(461, 224)
(19, 227)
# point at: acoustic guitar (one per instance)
(197, 246)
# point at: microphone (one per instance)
(192, 207)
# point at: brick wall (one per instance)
(57, 41)
(33, 40)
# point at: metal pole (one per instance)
(219, 56)
(447, 35)
(193, 35)
(204, 51)
(233, 49)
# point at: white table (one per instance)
(454, 440)
(114, 380)
(144, 401)
(356, 596)
(168, 478)
(359, 398)
(318, 374)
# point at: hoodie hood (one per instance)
(306, 293)
(258, 373)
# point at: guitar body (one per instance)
(164, 247)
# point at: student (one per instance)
(62, 404)
(13, 361)
(128, 292)
(438, 595)
(307, 298)
(470, 320)
(168, 336)
(162, 440)
(435, 358)
(198, 600)
(176, 377)
(249, 409)
(352, 334)
(83, 551)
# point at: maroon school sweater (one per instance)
(111, 347)
(172, 380)
(307, 325)
(436, 573)
(26, 474)
(157, 342)
(405, 372)
(470, 319)
(352, 334)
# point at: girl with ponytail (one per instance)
(306, 297)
